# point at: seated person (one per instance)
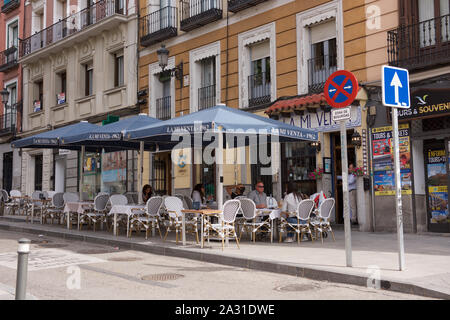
(258, 196)
(238, 190)
(289, 208)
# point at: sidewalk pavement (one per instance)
(427, 257)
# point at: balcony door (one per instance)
(434, 22)
(207, 90)
(9, 112)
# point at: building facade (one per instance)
(266, 57)
(79, 63)
(11, 24)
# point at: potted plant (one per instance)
(316, 174)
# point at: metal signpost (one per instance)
(395, 87)
(340, 91)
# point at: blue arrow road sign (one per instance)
(395, 87)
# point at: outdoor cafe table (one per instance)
(127, 210)
(203, 213)
(78, 207)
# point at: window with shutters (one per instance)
(259, 80)
(320, 46)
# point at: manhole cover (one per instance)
(94, 251)
(162, 277)
(124, 259)
(52, 245)
(297, 287)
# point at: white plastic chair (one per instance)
(225, 228)
(15, 204)
(151, 218)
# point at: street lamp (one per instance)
(356, 139)
(5, 96)
(163, 59)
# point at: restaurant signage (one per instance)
(322, 121)
(427, 103)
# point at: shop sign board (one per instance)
(427, 103)
(383, 160)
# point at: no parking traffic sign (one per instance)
(341, 89)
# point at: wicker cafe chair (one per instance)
(15, 204)
(119, 200)
(173, 206)
(252, 222)
(322, 224)
(71, 197)
(55, 209)
(150, 219)
(225, 228)
(304, 210)
(7, 202)
(39, 206)
(98, 212)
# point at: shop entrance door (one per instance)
(337, 173)
(437, 184)
(7, 170)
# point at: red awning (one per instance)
(297, 102)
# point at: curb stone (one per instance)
(253, 264)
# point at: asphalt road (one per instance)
(67, 270)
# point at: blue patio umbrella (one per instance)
(220, 119)
(110, 135)
(52, 138)
(229, 120)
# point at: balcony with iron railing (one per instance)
(8, 121)
(319, 69)
(158, 26)
(422, 45)
(207, 97)
(8, 59)
(88, 22)
(163, 108)
(10, 5)
(197, 13)
(238, 5)
(259, 89)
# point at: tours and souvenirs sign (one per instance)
(427, 103)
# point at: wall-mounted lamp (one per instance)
(316, 145)
(356, 139)
(163, 59)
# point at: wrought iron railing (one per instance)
(420, 45)
(8, 58)
(8, 121)
(207, 97)
(163, 108)
(10, 5)
(238, 5)
(259, 89)
(196, 13)
(319, 69)
(70, 25)
(159, 25)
